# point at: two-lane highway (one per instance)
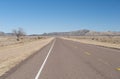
(63, 59)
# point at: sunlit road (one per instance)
(63, 59)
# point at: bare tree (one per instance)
(18, 33)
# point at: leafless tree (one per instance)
(18, 33)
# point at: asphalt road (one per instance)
(63, 59)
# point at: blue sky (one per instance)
(39, 16)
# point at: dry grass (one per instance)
(11, 55)
(107, 41)
(11, 40)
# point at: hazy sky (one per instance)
(39, 16)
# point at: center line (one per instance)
(87, 53)
(42, 66)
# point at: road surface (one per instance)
(63, 59)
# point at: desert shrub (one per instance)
(92, 38)
(39, 37)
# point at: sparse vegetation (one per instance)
(39, 37)
(13, 54)
(106, 39)
(19, 33)
(11, 40)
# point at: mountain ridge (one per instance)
(83, 32)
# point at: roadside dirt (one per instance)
(116, 46)
(11, 55)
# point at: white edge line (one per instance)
(42, 66)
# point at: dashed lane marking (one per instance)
(87, 53)
(118, 69)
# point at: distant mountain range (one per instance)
(83, 32)
(5, 34)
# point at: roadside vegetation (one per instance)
(17, 36)
(19, 33)
(105, 39)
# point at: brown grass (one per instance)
(11, 40)
(107, 41)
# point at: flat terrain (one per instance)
(65, 59)
(11, 40)
(13, 54)
(106, 41)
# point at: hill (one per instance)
(83, 32)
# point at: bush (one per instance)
(39, 37)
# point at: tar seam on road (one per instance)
(42, 66)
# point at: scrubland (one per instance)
(11, 40)
(106, 41)
(12, 52)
